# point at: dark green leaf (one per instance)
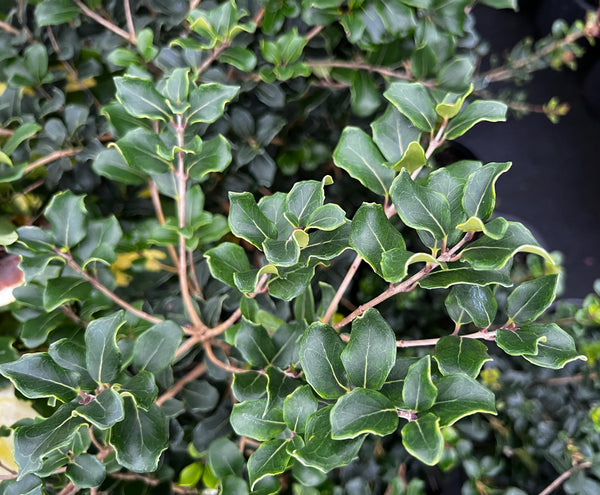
(304, 198)
(531, 298)
(394, 383)
(142, 387)
(103, 411)
(255, 344)
(200, 396)
(140, 99)
(456, 74)
(34, 332)
(480, 195)
(320, 357)
(177, 85)
(111, 164)
(298, 407)
(456, 274)
(326, 217)
(326, 245)
(282, 253)
(478, 111)
(86, 471)
(53, 12)
(207, 102)
(140, 150)
(413, 101)
(68, 218)
(62, 290)
(225, 458)
(460, 355)
(423, 439)
(477, 302)
(247, 221)
(364, 96)
(238, 56)
(225, 260)
(269, 459)
(250, 420)
(392, 133)
(103, 357)
(215, 156)
(21, 134)
(155, 348)
(273, 207)
(520, 341)
(419, 392)
(556, 350)
(249, 386)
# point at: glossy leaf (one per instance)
(371, 351)
(54, 12)
(255, 344)
(111, 164)
(140, 150)
(395, 263)
(556, 350)
(63, 290)
(495, 229)
(519, 341)
(282, 253)
(104, 410)
(455, 274)
(207, 102)
(250, 420)
(531, 298)
(413, 159)
(320, 356)
(304, 198)
(413, 101)
(392, 133)
(247, 221)
(226, 259)
(394, 383)
(460, 355)
(140, 98)
(154, 350)
(477, 302)
(142, 387)
(215, 156)
(326, 217)
(298, 407)
(20, 135)
(225, 458)
(270, 458)
(479, 194)
(86, 471)
(419, 392)
(423, 439)
(103, 357)
(68, 217)
(478, 111)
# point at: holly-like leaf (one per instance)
(226, 259)
(392, 133)
(358, 156)
(68, 218)
(86, 471)
(298, 407)
(531, 298)
(139, 148)
(460, 355)
(207, 102)
(62, 290)
(140, 98)
(103, 357)
(419, 392)
(225, 458)
(320, 450)
(556, 350)
(460, 396)
(524, 340)
(155, 348)
(372, 234)
(103, 411)
(478, 111)
(423, 439)
(477, 302)
(320, 357)
(215, 156)
(269, 459)
(457, 273)
(301, 202)
(326, 217)
(37, 375)
(255, 344)
(250, 420)
(413, 101)
(371, 352)
(142, 387)
(247, 221)
(363, 411)
(479, 194)
(140, 438)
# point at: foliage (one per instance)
(176, 333)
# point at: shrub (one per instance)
(193, 190)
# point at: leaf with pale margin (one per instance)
(495, 229)
(363, 411)
(419, 392)
(103, 411)
(479, 196)
(460, 396)
(304, 198)
(394, 383)
(269, 459)
(524, 340)
(86, 471)
(282, 253)
(556, 350)
(139, 148)
(103, 357)
(255, 344)
(326, 217)
(320, 356)
(207, 102)
(357, 155)
(140, 99)
(371, 351)
(531, 298)
(68, 218)
(457, 273)
(225, 260)
(392, 133)
(298, 407)
(423, 439)
(154, 350)
(142, 387)
(395, 263)
(215, 156)
(460, 355)
(247, 221)
(273, 207)
(59, 291)
(478, 111)
(249, 419)
(478, 302)
(414, 102)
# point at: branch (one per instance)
(227, 367)
(50, 158)
(359, 65)
(130, 26)
(160, 216)
(178, 386)
(342, 289)
(6, 132)
(107, 24)
(5, 26)
(563, 477)
(211, 58)
(482, 334)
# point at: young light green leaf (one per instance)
(207, 102)
(495, 229)
(363, 411)
(226, 259)
(413, 159)
(478, 111)
(358, 156)
(86, 471)
(154, 350)
(452, 103)
(395, 263)
(144, 44)
(413, 101)
(140, 438)
(419, 392)
(298, 407)
(556, 350)
(460, 355)
(140, 98)
(269, 459)
(250, 420)
(371, 352)
(479, 194)
(531, 298)
(423, 439)
(478, 302)
(103, 411)
(103, 357)
(225, 458)
(392, 133)
(372, 235)
(238, 56)
(247, 221)
(255, 344)
(320, 357)
(460, 396)
(68, 218)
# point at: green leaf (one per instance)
(326, 217)
(282, 253)
(419, 392)
(140, 150)
(413, 101)
(478, 302)
(304, 198)
(363, 411)
(456, 74)
(177, 85)
(247, 221)
(320, 450)
(225, 458)
(501, 4)
(214, 157)
(54, 12)
(326, 245)
(413, 159)
(423, 439)
(140, 98)
(62, 290)
(250, 420)
(392, 133)
(249, 386)
(225, 260)
(531, 298)
(480, 195)
(371, 352)
(478, 111)
(269, 459)
(238, 56)
(38, 441)
(110, 164)
(452, 103)
(154, 350)
(103, 357)
(255, 344)
(364, 96)
(395, 263)
(556, 350)
(298, 407)
(320, 357)
(140, 438)
(460, 355)
(492, 254)
(394, 383)
(21, 134)
(8, 232)
(142, 387)
(103, 411)
(144, 44)
(207, 102)
(37, 375)
(372, 235)
(86, 471)
(460, 396)
(524, 340)
(494, 229)
(358, 156)
(421, 207)
(456, 274)
(273, 207)
(68, 218)
(70, 354)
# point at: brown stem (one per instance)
(193, 276)
(5, 26)
(160, 216)
(566, 380)
(313, 32)
(211, 58)
(196, 372)
(342, 289)
(483, 335)
(6, 468)
(107, 24)
(563, 477)
(50, 158)
(130, 26)
(359, 65)
(69, 489)
(6, 132)
(227, 367)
